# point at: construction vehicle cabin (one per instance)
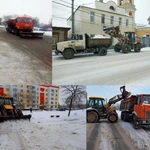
(8, 110)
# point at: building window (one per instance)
(103, 18)
(112, 8)
(120, 21)
(92, 17)
(127, 22)
(111, 19)
(51, 102)
(51, 98)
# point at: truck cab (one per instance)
(136, 109)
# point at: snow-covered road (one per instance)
(113, 69)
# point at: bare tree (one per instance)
(74, 94)
(7, 17)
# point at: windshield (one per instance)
(28, 20)
(146, 99)
(96, 102)
(6, 101)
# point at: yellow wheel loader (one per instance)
(8, 110)
(98, 109)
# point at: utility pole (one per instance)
(73, 19)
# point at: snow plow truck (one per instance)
(22, 26)
(8, 110)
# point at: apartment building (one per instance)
(35, 96)
(91, 20)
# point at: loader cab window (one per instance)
(6, 101)
(96, 103)
(146, 99)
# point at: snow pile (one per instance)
(100, 37)
(44, 132)
(140, 136)
(145, 49)
(48, 33)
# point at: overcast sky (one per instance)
(35, 8)
(60, 11)
(110, 91)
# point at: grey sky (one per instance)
(59, 11)
(35, 8)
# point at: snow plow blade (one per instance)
(31, 34)
(5, 118)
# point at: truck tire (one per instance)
(137, 48)
(103, 51)
(112, 117)
(134, 121)
(122, 116)
(68, 53)
(126, 48)
(17, 32)
(117, 48)
(92, 117)
(126, 117)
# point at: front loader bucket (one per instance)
(5, 118)
(125, 94)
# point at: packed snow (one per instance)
(100, 37)
(140, 136)
(44, 132)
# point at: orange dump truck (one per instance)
(136, 108)
(22, 26)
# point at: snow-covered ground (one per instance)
(1, 26)
(141, 137)
(44, 132)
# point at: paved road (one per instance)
(112, 69)
(108, 136)
(24, 60)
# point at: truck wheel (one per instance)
(137, 48)
(68, 53)
(7, 29)
(122, 116)
(112, 117)
(17, 32)
(92, 117)
(102, 51)
(126, 48)
(117, 48)
(126, 117)
(134, 121)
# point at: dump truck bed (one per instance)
(95, 42)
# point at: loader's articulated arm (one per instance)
(124, 94)
(114, 32)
